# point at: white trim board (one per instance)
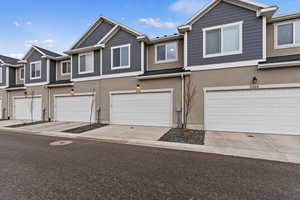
(248, 63)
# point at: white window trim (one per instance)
(112, 58)
(204, 30)
(84, 54)
(1, 79)
(20, 72)
(167, 60)
(284, 46)
(61, 68)
(38, 77)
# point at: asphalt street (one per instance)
(31, 169)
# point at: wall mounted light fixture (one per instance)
(254, 80)
(72, 92)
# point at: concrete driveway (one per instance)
(6, 123)
(127, 132)
(283, 145)
(54, 126)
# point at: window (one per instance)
(166, 52)
(66, 68)
(35, 70)
(21, 73)
(86, 63)
(287, 34)
(1, 74)
(120, 57)
(223, 40)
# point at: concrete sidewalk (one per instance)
(247, 153)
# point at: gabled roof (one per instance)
(243, 3)
(8, 60)
(42, 51)
(97, 23)
(48, 53)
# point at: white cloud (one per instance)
(157, 23)
(17, 24)
(48, 43)
(29, 43)
(29, 23)
(15, 55)
(187, 7)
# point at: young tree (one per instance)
(190, 92)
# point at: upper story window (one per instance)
(65, 68)
(120, 57)
(166, 52)
(223, 40)
(86, 63)
(1, 73)
(22, 74)
(35, 70)
(287, 34)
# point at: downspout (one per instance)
(182, 98)
(49, 106)
(8, 106)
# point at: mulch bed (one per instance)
(85, 128)
(26, 124)
(177, 135)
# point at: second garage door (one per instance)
(146, 109)
(75, 108)
(28, 108)
(260, 111)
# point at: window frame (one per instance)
(86, 72)
(222, 53)
(61, 68)
(166, 53)
(112, 57)
(20, 73)
(283, 46)
(38, 77)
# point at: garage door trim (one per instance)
(71, 95)
(141, 92)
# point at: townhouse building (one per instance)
(242, 59)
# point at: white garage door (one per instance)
(74, 108)
(260, 111)
(28, 108)
(146, 109)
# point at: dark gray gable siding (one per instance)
(97, 35)
(36, 56)
(225, 13)
(12, 76)
(96, 72)
(121, 38)
(3, 83)
(52, 71)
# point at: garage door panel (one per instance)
(262, 111)
(28, 108)
(75, 108)
(149, 109)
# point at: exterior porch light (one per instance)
(254, 80)
(138, 88)
(72, 92)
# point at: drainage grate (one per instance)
(250, 136)
(61, 143)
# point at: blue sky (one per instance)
(56, 26)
